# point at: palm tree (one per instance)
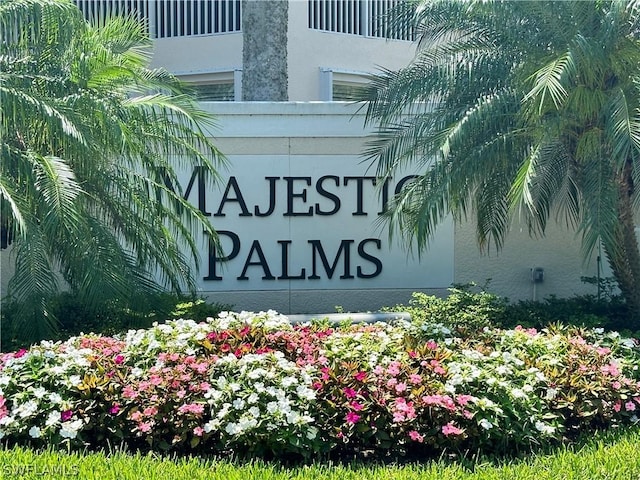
(527, 108)
(89, 136)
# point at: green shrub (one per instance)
(74, 316)
(467, 308)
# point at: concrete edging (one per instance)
(353, 317)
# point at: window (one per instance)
(215, 92)
(368, 18)
(171, 18)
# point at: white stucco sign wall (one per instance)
(298, 215)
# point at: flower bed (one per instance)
(254, 384)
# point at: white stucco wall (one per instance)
(199, 54)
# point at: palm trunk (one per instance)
(624, 256)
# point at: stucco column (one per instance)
(264, 53)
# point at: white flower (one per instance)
(211, 425)
(305, 393)
(74, 380)
(288, 381)
(257, 373)
(70, 429)
(224, 411)
(551, 394)
(486, 424)
(233, 428)
(222, 383)
(52, 418)
(293, 418)
(34, 432)
(39, 392)
(518, 393)
(253, 398)
(247, 423)
(254, 412)
(27, 409)
(544, 428)
(234, 387)
(272, 407)
(312, 432)
(238, 404)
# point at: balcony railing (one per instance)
(185, 18)
(171, 18)
(369, 18)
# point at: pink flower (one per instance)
(415, 436)
(616, 385)
(194, 408)
(119, 359)
(398, 417)
(356, 406)
(198, 431)
(393, 369)
(150, 411)
(66, 415)
(629, 406)
(401, 387)
(618, 406)
(115, 408)
(360, 376)
(431, 345)
(349, 393)
(415, 378)
(463, 399)
(352, 417)
(451, 429)
(611, 369)
(144, 427)
(136, 416)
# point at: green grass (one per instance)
(612, 455)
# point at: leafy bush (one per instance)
(73, 315)
(254, 385)
(467, 308)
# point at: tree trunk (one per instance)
(265, 26)
(624, 256)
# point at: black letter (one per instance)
(199, 172)
(359, 184)
(317, 247)
(238, 198)
(402, 181)
(385, 196)
(213, 257)
(376, 261)
(255, 247)
(331, 196)
(285, 263)
(291, 195)
(272, 198)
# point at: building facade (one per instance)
(329, 47)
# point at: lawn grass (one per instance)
(612, 455)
